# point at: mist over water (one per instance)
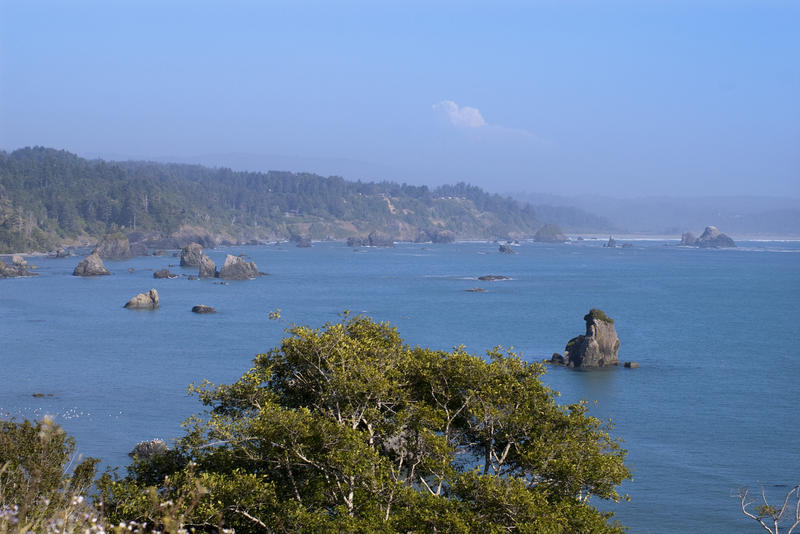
(712, 408)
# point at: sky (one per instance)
(566, 97)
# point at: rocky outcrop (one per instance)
(164, 273)
(710, 238)
(144, 301)
(612, 243)
(18, 267)
(550, 233)
(91, 265)
(492, 277)
(507, 249)
(236, 268)
(191, 255)
(303, 242)
(202, 308)
(147, 449)
(379, 239)
(208, 269)
(713, 238)
(598, 347)
(355, 242)
(114, 247)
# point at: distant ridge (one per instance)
(673, 215)
(49, 197)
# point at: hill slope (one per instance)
(51, 196)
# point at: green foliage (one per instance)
(347, 429)
(598, 314)
(37, 490)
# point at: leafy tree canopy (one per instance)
(348, 429)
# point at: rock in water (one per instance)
(208, 269)
(202, 308)
(144, 301)
(148, 449)
(492, 277)
(713, 238)
(507, 249)
(164, 273)
(17, 268)
(304, 242)
(236, 268)
(91, 265)
(612, 243)
(114, 247)
(598, 347)
(710, 238)
(191, 255)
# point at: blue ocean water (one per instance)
(713, 407)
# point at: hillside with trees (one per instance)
(49, 197)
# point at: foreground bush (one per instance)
(348, 429)
(41, 488)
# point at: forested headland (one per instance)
(50, 197)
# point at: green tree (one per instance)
(42, 487)
(346, 428)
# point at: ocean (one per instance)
(713, 407)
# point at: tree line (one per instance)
(49, 195)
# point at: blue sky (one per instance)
(617, 98)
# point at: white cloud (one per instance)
(464, 116)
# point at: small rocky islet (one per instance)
(144, 301)
(17, 268)
(598, 347)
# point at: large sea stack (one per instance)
(235, 268)
(91, 265)
(598, 347)
(191, 255)
(710, 238)
(208, 269)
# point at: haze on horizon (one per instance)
(617, 98)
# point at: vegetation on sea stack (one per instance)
(598, 314)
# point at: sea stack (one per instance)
(191, 255)
(710, 238)
(598, 347)
(144, 301)
(91, 265)
(235, 268)
(18, 267)
(208, 269)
